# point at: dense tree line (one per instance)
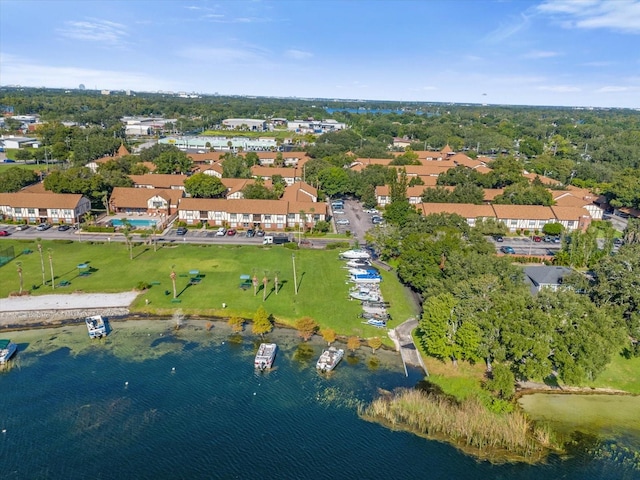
(478, 308)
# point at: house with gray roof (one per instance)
(545, 276)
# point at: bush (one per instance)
(142, 285)
(98, 229)
(292, 246)
(336, 245)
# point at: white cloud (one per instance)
(298, 54)
(19, 71)
(559, 88)
(541, 54)
(95, 30)
(225, 55)
(621, 15)
(612, 88)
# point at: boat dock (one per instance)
(401, 336)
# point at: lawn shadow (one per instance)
(183, 290)
(145, 250)
(301, 278)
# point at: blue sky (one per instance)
(518, 52)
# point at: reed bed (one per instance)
(468, 424)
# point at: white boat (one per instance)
(7, 349)
(96, 326)
(365, 296)
(369, 280)
(356, 255)
(363, 271)
(329, 359)
(358, 263)
(265, 356)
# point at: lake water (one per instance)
(148, 402)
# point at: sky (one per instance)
(582, 53)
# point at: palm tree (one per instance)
(172, 275)
(53, 283)
(19, 268)
(265, 281)
(41, 261)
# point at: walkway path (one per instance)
(401, 336)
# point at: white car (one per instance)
(342, 222)
(221, 232)
(338, 212)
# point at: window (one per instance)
(267, 218)
(32, 211)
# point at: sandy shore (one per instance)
(72, 301)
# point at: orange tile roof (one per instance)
(130, 197)
(543, 179)
(570, 213)
(269, 207)
(159, 180)
(466, 210)
(523, 212)
(41, 200)
(491, 193)
(299, 192)
(286, 172)
(35, 188)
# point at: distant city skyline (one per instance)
(576, 53)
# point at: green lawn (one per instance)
(622, 374)
(29, 166)
(322, 292)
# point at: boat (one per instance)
(365, 279)
(329, 359)
(365, 296)
(356, 255)
(96, 326)
(358, 263)
(7, 349)
(265, 356)
(376, 323)
(362, 271)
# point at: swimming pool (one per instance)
(138, 223)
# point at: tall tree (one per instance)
(261, 322)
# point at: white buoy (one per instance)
(254, 393)
(126, 384)
(173, 369)
(4, 430)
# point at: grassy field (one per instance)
(621, 373)
(29, 166)
(322, 290)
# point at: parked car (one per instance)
(63, 228)
(22, 228)
(181, 231)
(556, 240)
(250, 233)
(617, 241)
(537, 239)
(342, 221)
(221, 232)
(260, 233)
(338, 212)
(376, 220)
(547, 238)
(507, 249)
(43, 226)
(4, 233)
(231, 232)
(498, 238)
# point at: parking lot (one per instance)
(352, 218)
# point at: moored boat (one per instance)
(7, 349)
(356, 255)
(265, 356)
(96, 326)
(329, 359)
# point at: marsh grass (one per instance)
(466, 424)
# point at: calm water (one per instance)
(146, 403)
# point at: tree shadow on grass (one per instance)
(183, 290)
